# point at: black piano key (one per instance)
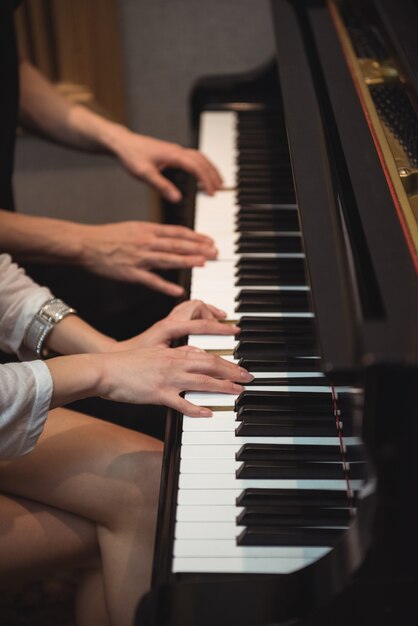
(286, 428)
(287, 382)
(272, 295)
(261, 167)
(292, 470)
(293, 516)
(248, 279)
(280, 398)
(266, 412)
(257, 182)
(276, 332)
(283, 452)
(275, 413)
(279, 272)
(298, 325)
(286, 335)
(296, 536)
(269, 307)
(276, 214)
(270, 264)
(282, 364)
(256, 243)
(285, 265)
(277, 277)
(293, 497)
(263, 225)
(272, 346)
(278, 217)
(253, 301)
(284, 197)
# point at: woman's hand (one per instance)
(159, 376)
(192, 317)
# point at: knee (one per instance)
(134, 478)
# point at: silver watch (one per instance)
(50, 313)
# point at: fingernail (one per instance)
(235, 328)
(174, 196)
(212, 251)
(246, 376)
(177, 291)
(237, 388)
(205, 413)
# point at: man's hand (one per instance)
(45, 109)
(128, 251)
(145, 157)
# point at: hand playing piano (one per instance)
(129, 251)
(159, 375)
(145, 157)
(192, 317)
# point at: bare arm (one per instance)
(47, 110)
(126, 251)
(143, 369)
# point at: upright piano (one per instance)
(296, 503)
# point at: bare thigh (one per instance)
(85, 466)
(35, 539)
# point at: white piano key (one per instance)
(213, 342)
(218, 438)
(206, 530)
(197, 451)
(207, 497)
(211, 208)
(229, 481)
(202, 513)
(217, 135)
(225, 548)
(222, 399)
(220, 421)
(208, 466)
(211, 290)
(224, 301)
(243, 565)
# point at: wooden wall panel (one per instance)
(76, 43)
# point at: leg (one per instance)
(107, 475)
(36, 539)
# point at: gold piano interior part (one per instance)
(379, 80)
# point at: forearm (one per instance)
(45, 109)
(72, 335)
(74, 378)
(41, 238)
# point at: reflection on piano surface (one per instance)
(294, 503)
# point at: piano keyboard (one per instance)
(267, 484)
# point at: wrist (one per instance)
(75, 377)
(43, 323)
(105, 374)
(112, 135)
(74, 336)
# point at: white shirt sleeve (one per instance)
(20, 300)
(25, 396)
(25, 388)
